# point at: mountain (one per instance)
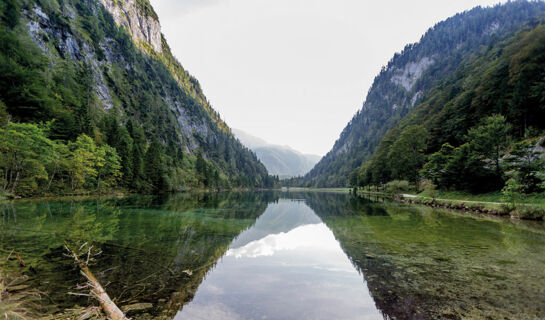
(101, 69)
(280, 161)
(410, 77)
(248, 140)
(480, 130)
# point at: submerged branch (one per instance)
(110, 308)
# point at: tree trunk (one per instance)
(51, 180)
(98, 184)
(11, 174)
(6, 181)
(15, 182)
(110, 308)
(72, 181)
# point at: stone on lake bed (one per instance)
(137, 307)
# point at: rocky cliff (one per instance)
(92, 63)
(139, 18)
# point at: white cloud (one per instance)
(312, 236)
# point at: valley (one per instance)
(125, 194)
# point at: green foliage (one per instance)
(399, 156)
(474, 166)
(24, 149)
(397, 186)
(125, 111)
(512, 193)
(466, 170)
(31, 163)
(525, 165)
(437, 162)
(81, 164)
(10, 13)
(364, 175)
(490, 139)
(146, 9)
(476, 124)
(429, 189)
(4, 116)
(154, 167)
(24, 87)
(473, 66)
(407, 153)
(108, 165)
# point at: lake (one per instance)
(279, 255)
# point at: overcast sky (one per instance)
(294, 72)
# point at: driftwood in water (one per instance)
(108, 306)
(21, 262)
(18, 257)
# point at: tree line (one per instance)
(489, 160)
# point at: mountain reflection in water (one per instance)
(287, 266)
(271, 255)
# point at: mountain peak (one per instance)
(282, 161)
(140, 19)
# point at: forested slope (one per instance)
(480, 130)
(92, 98)
(411, 75)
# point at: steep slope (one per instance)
(479, 128)
(280, 161)
(408, 78)
(103, 69)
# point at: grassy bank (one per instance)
(537, 200)
(528, 207)
(295, 189)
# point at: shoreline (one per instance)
(522, 211)
(124, 193)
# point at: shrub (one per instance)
(529, 213)
(397, 186)
(429, 189)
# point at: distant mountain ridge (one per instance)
(282, 161)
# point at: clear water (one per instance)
(281, 256)
(287, 266)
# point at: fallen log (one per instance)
(108, 306)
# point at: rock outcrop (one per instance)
(143, 26)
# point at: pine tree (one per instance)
(154, 167)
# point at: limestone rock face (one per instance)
(142, 27)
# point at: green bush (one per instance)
(529, 213)
(397, 186)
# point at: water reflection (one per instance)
(154, 250)
(425, 263)
(273, 256)
(287, 266)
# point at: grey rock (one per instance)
(142, 28)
